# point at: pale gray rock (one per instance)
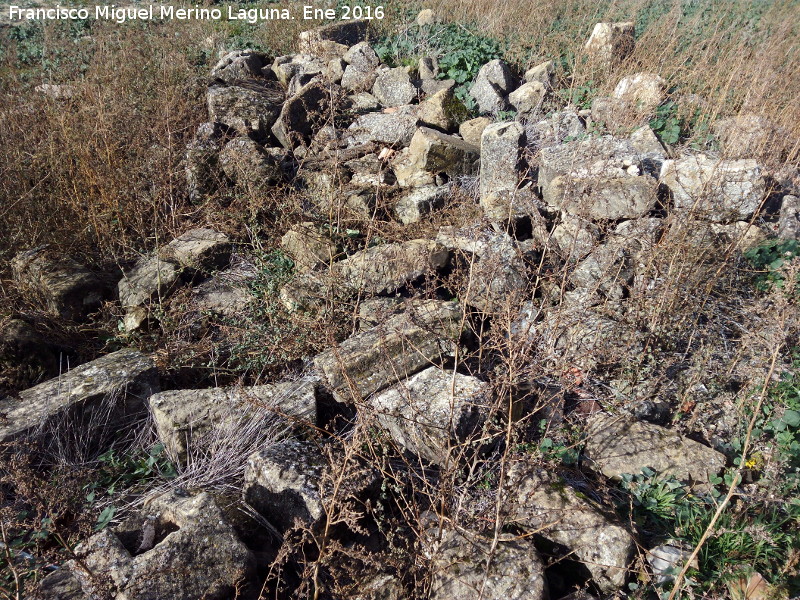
(392, 128)
(789, 220)
(114, 388)
(617, 445)
(384, 269)
(249, 109)
(717, 190)
(358, 79)
(428, 68)
(610, 43)
(202, 161)
(643, 92)
(574, 237)
(501, 153)
(392, 351)
(458, 563)
(362, 57)
(528, 98)
(492, 85)
(433, 414)
(199, 554)
(541, 502)
(393, 87)
(364, 102)
(239, 65)
(308, 247)
(282, 482)
(419, 202)
(190, 421)
(68, 289)
(560, 127)
(374, 311)
(346, 33)
(543, 73)
(598, 178)
(607, 270)
(432, 152)
(249, 164)
(201, 249)
(334, 70)
(151, 278)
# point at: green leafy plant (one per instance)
(769, 258)
(667, 125)
(581, 95)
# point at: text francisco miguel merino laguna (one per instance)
(150, 12)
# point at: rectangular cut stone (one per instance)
(118, 383)
(379, 357)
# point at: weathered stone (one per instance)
(597, 178)
(308, 248)
(419, 202)
(611, 42)
(248, 163)
(238, 65)
(434, 152)
(441, 111)
(302, 115)
(472, 130)
(643, 91)
(560, 127)
(189, 421)
(574, 237)
(201, 249)
(645, 142)
(364, 102)
(246, 108)
(225, 294)
(26, 357)
(374, 311)
(68, 289)
(151, 277)
(393, 87)
(282, 482)
(393, 128)
(431, 86)
(746, 136)
(347, 33)
(498, 277)
(370, 170)
(459, 566)
(619, 445)
(527, 98)
(202, 154)
(307, 292)
(59, 585)
(615, 115)
(789, 220)
(543, 73)
(381, 587)
(386, 268)
(501, 150)
(356, 79)
(434, 413)
(716, 190)
(113, 388)
(428, 67)
(541, 502)
(608, 270)
(57, 91)
(362, 57)
(391, 351)
(198, 554)
(492, 84)
(667, 559)
(334, 71)
(426, 17)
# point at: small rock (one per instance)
(608, 270)
(619, 445)
(393, 350)
(251, 109)
(717, 190)
(789, 220)
(392, 128)
(374, 311)
(610, 43)
(393, 87)
(501, 152)
(308, 248)
(541, 502)
(560, 127)
(575, 237)
(434, 413)
(426, 17)
(150, 278)
(249, 164)
(365, 102)
(667, 560)
(492, 84)
(334, 71)
(527, 98)
(428, 68)
(362, 57)
(238, 65)
(434, 152)
(472, 130)
(355, 79)
(200, 249)
(643, 91)
(441, 111)
(282, 482)
(543, 73)
(302, 115)
(68, 288)
(459, 563)
(419, 202)
(645, 142)
(122, 381)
